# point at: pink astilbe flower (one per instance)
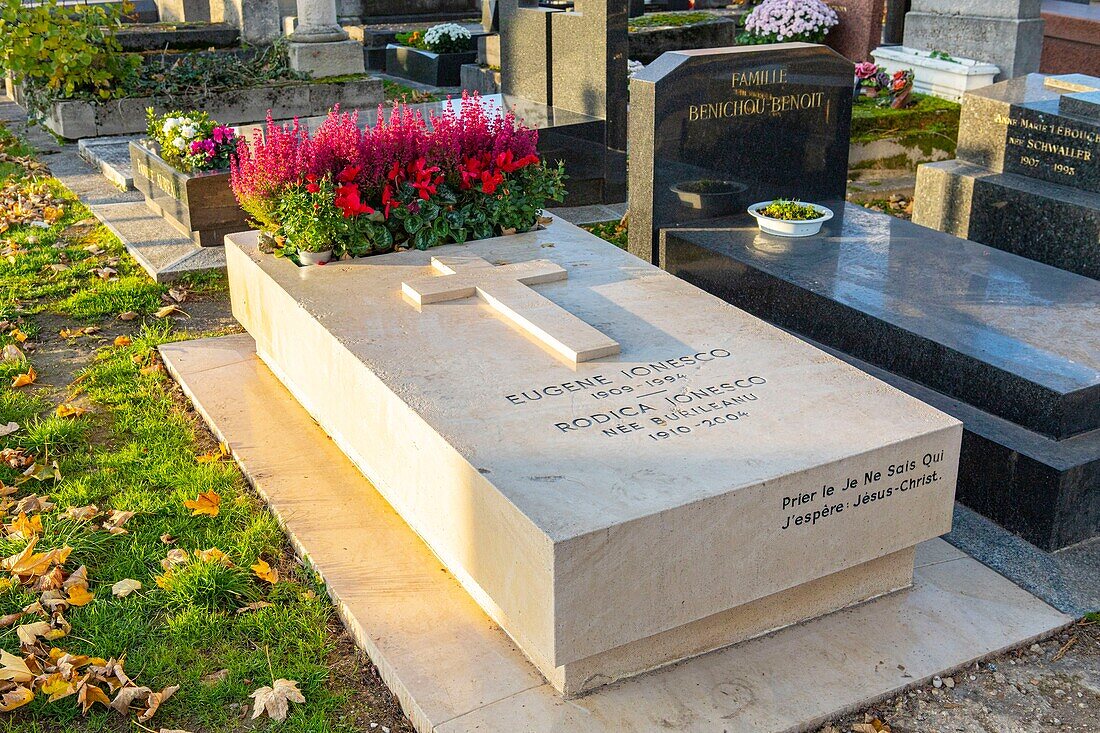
(473, 129)
(264, 167)
(401, 161)
(338, 143)
(398, 140)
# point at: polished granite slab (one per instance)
(1013, 337)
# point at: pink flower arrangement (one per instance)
(779, 21)
(866, 70)
(872, 81)
(191, 141)
(468, 173)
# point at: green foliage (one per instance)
(413, 39)
(928, 123)
(205, 584)
(311, 222)
(665, 20)
(941, 55)
(186, 78)
(64, 51)
(396, 92)
(615, 231)
(517, 205)
(787, 210)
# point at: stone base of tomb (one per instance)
(811, 600)
(454, 670)
(1047, 222)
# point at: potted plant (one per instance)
(345, 191)
(433, 57)
(787, 21)
(182, 168)
(709, 197)
(787, 218)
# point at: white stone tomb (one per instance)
(715, 480)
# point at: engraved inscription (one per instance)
(1047, 148)
(749, 99)
(874, 487)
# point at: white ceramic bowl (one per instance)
(783, 228)
(314, 258)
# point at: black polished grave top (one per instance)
(1014, 337)
(714, 130)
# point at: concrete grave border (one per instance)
(75, 119)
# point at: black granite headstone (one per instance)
(573, 60)
(714, 130)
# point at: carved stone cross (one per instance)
(507, 289)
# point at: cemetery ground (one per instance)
(102, 415)
(124, 439)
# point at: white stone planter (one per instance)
(943, 79)
(786, 228)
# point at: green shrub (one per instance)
(786, 210)
(64, 51)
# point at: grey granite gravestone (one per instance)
(714, 130)
(574, 61)
(1026, 179)
(1006, 33)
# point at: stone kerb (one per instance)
(76, 119)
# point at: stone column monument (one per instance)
(320, 46)
(1008, 33)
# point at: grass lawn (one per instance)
(397, 92)
(612, 231)
(124, 440)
